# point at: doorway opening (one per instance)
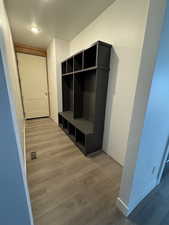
(33, 83)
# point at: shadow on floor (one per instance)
(154, 209)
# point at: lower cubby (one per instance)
(85, 142)
(80, 137)
(60, 120)
(80, 141)
(72, 132)
(65, 125)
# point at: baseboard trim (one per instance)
(122, 207)
(55, 120)
(140, 197)
(127, 210)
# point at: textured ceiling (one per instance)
(62, 19)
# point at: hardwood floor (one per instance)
(66, 187)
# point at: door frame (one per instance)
(20, 87)
(28, 50)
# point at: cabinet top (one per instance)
(93, 44)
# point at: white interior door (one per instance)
(33, 78)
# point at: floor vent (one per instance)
(33, 155)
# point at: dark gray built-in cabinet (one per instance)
(84, 91)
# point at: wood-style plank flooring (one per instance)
(67, 188)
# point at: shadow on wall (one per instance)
(107, 139)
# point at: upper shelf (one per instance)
(80, 71)
(96, 56)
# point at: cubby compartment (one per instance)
(64, 70)
(90, 57)
(85, 94)
(70, 65)
(72, 131)
(80, 138)
(65, 125)
(60, 119)
(78, 62)
(67, 90)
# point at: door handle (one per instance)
(46, 93)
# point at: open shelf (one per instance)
(85, 70)
(78, 62)
(85, 95)
(67, 90)
(90, 57)
(64, 70)
(82, 124)
(70, 65)
(65, 125)
(72, 132)
(60, 120)
(80, 140)
(68, 74)
(68, 115)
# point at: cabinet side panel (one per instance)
(104, 53)
(100, 105)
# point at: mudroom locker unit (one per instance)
(84, 91)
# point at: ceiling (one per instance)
(62, 19)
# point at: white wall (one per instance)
(9, 57)
(122, 25)
(15, 200)
(57, 51)
(144, 145)
(156, 125)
